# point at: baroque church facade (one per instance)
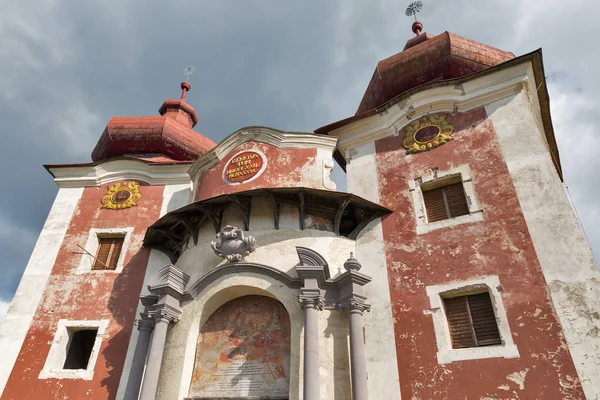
(454, 267)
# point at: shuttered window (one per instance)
(472, 321)
(109, 250)
(445, 202)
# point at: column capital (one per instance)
(311, 300)
(145, 322)
(165, 312)
(354, 304)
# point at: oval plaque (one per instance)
(244, 167)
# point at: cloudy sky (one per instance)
(67, 67)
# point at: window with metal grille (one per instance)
(445, 202)
(109, 250)
(472, 321)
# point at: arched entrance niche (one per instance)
(243, 351)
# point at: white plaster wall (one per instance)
(20, 313)
(382, 362)
(564, 254)
(174, 197)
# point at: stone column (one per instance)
(311, 305)
(163, 316)
(145, 327)
(357, 351)
(352, 300)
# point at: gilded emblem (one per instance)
(121, 195)
(426, 133)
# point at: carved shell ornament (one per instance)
(426, 133)
(121, 195)
(232, 244)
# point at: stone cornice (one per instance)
(169, 280)
(274, 137)
(450, 99)
(96, 174)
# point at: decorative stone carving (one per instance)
(352, 264)
(232, 244)
(121, 195)
(426, 133)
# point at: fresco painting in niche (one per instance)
(243, 352)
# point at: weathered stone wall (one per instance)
(94, 295)
(565, 257)
(498, 245)
(285, 167)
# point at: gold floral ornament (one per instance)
(121, 195)
(426, 133)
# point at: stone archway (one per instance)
(243, 351)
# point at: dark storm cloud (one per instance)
(67, 67)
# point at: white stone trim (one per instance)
(273, 137)
(21, 311)
(469, 95)
(116, 170)
(53, 368)
(446, 354)
(91, 246)
(415, 187)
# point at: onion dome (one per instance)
(170, 135)
(427, 58)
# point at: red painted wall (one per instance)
(288, 167)
(499, 245)
(91, 296)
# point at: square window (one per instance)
(471, 321)
(444, 199)
(81, 343)
(74, 350)
(105, 250)
(109, 251)
(445, 202)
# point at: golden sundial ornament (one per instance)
(426, 133)
(121, 195)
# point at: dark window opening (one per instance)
(472, 321)
(445, 202)
(109, 250)
(81, 343)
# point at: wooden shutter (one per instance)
(445, 202)
(484, 319)
(459, 322)
(435, 205)
(456, 199)
(109, 250)
(472, 321)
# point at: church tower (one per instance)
(174, 267)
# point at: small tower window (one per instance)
(472, 321)
(109, 251)
(444, 202)
(81, 343)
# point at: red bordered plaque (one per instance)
(244, 167)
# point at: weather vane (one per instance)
(413, 8)
(187, 71)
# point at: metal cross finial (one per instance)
(187, 71)
(413, 8)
